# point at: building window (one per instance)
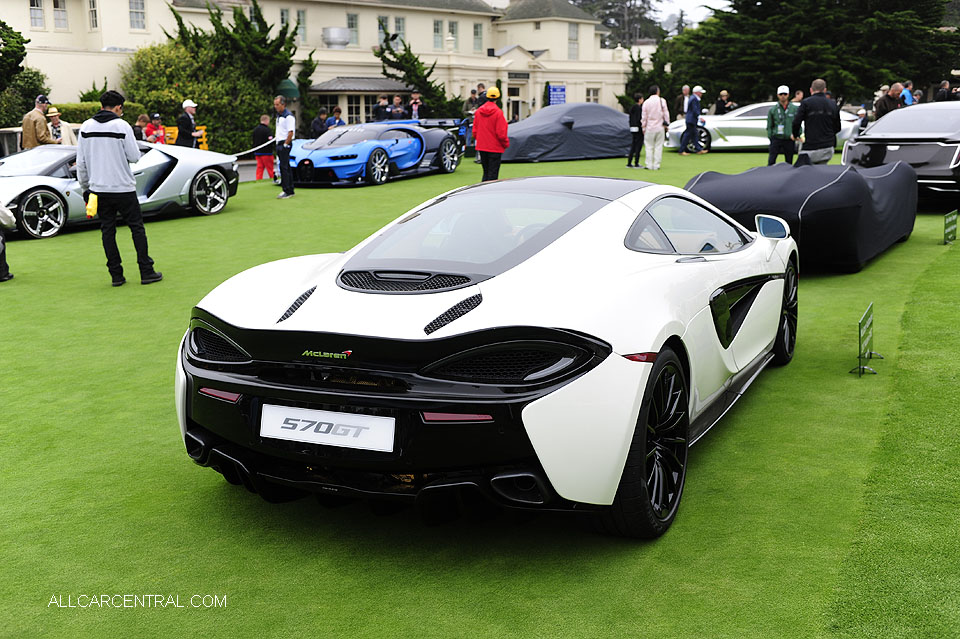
(284, 17)
(60, 14)
(92, 12)
(302, 25)
(536, 26)
(138, 14)
(573, 44)
(369, 101)
(353, 23)
(327, 101)
(454, 30)
(593, 95)
(478, 36)
(438, 34)
(353, 109)
(383, 23)
(36, 14)
(400, 27)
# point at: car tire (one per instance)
(703, 136)
(786, 340)
(209, 192)
(657, 457)
(42, 213)
(448, 156)
(378, 167)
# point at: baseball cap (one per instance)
(698, 89)
(783, 89)
(42, 99)
(493, 93)
(861, 111)
(156, 116)
(189, 103)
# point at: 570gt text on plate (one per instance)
(552, 343)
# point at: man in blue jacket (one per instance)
(106, 148)
(691, 118)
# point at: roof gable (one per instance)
(540, 9)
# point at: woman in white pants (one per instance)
(654, 122)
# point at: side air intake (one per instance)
(297, 303)
(456, 311)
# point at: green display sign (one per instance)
(865, 343)
(950, 227)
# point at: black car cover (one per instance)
(840, 216)
(575, 131)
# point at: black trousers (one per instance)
(491, 165)
(690, 137)
(4, 268)
(109, 205)
(635, 145)
(286, 172)
(780, 145)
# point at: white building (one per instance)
(524, 44)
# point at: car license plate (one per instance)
(346, 430)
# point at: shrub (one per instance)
(77, 112)
(93, 94)
(19, 96)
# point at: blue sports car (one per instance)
(375, 152)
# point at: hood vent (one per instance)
(297, 303)
(454, 312)
(401, 281)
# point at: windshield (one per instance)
(33, 162)
(916, 120)
(343, 136)
(476, 233)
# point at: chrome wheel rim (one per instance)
(378, 166)
(666, 452)
(449, 156)
(210, 192)
(788, 316)
(43, 214)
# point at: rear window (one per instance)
(36, 161)
(476, 233)
(918, 120)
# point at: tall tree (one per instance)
(628, 20)
(405, 65)
(12, 51)
(855, 45)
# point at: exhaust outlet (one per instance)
(523, 487)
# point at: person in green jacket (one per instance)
(780, 127)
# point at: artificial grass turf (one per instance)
(784, 512)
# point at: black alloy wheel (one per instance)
(449, 156)
(786, 339)
(653, 477)
(378, 168)
(42, 214)
(703, 137)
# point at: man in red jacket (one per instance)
(490, 133)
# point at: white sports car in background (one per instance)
(745, 128)
(551, 342)
(40, 185)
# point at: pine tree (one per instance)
(406, 66)
(12, 51)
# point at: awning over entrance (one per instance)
(360, 85)
(288, 89)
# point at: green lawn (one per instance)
(823, 505)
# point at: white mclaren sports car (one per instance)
(551, 343)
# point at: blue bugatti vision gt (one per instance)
(373, 153)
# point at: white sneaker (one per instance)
(284, 196)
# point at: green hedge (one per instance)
(77, 112)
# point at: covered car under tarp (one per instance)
(840, 216)
(576, 131)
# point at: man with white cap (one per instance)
(692, 116)
(780, 126)
(187, 133)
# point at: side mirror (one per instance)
(772, 227)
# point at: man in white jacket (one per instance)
(654, 120)
(105, 152)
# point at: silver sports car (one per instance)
(744, 128)
(40, 186)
